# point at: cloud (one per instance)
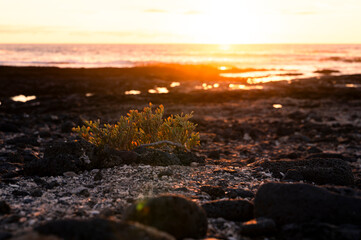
(192, 12)
(305, 13)
(21, 29)
(301, 12)
(154, 10)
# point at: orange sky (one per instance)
(184, 21)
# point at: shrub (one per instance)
(142, 128)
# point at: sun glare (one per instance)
(231, 22)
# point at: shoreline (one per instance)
(248, 138)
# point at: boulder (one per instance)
(100, 229)
(173, 214)
(233, 210)
(299, 203)
(317, 170)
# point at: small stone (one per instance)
(98, 176)
(28, 200)
(14, 218)
(80, 212)
(234, 193)
(234, 210)
(258, 227)
(214, 155)
(19, 193)
(194, 164)
(166, 172)
(83, 192)
(4, 208)
(312, 150)
(36, 193)
(213, 191)
(52, 184)
(107, 212)
(69, 174)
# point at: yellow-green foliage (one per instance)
(139, 128)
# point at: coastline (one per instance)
(240, 130)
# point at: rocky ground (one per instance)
(282, 162)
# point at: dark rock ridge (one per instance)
(299, 203)
(80, 155)
(317, 170)
(234, 210)
(318, 231)
(173, 214)
(100, 229)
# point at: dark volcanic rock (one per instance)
(67, 126)
(297, 203)
(233, 193)
(320, 171)
(293, 175)
(213, 191)
(332, 155)
(77, 156)
(173, 214)
(214, 154)
(313, 150)
(36, 193)
(156, 157)
(8, 127)
(187, 158)
(4, 208)
(234, 210)
(19, 193)
(23, 141)
(5, 235)
(100, 229)
(316, 231)
(258, 227)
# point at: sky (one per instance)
(180, 21)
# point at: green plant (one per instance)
(142, 129)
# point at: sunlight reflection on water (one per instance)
(260, 76)
(159, 90)
(277, 106)
(23, 98)
(243, 87)
(175, 84)
(132, 92)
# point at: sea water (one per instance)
(297, 59)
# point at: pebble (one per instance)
(69, 174)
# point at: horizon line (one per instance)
(280, 43)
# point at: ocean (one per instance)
(299, 59)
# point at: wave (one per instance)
(343, 59)
(72, 64)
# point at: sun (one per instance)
(228, 22)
